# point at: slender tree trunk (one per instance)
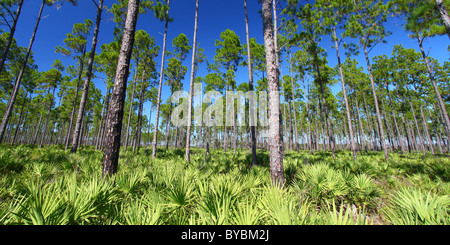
(11, 35)
(395, 120)
(409, 137)
(296, 139)
(74, 104)
(158, 102)
(115, 112)
(285, 131)
(371, 128)
(291, 130)
(102, 136)
(17, 83)
(250, 88)
(102, 120)
(191, 90)
(148, 132)
(422, 143)
(168, 127)
(275, 129)
(225, 128)
(349, 121)
(436, 89)
(84, 95)
(130, 111)
(436, 130)
(386, 125)
(380, 123)
(327, 122)
(38, 127)
(137, 136)
(310, 139)
(425, 128)
(20, 119)
(444, 15)
(363, 134)
(47, 119)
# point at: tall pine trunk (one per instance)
(47, 119)
(436, 89)
(380, 123)
(158, 102)
(191, 90)
(250, 88)
(116, 106)
(137, 135)
(444, 15)
(425, 129)
(296, 139)
(347, 109)
(20, 118)
(275, 129)
(18, 81)
(74, 104)
(11, 35)
(130, 111)
(84, 95)
(395, 120)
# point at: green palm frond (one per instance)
(413, 207)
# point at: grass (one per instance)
(51, 186)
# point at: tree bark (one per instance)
(20, 118)
(275, 129)
(74, 104)
(344, 91)
(438, 140)
(130, 111)
(296, 139)
(363, 134)
(158, 102)
(84, 95)
(250, 88)
(47, 119)
(380, 123)
(191, 90)
(444, 15)
(115, 112)
(11, 35)
(17, 83)
(425, 128)
(436, 89)
(395, 121)
(137, 135)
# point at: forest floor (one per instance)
(52, 186)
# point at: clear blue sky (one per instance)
(214, 17)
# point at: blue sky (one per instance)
(214, 17)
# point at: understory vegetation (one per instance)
(52, 186)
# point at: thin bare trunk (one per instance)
(444, 15)
(11, 35)
(425, 128)
(84, 95)
(191, 90)
(18, 81)
(115, 112)
(380, 123)
(130, 111)
(250, 87)
(436, 89)
(344, 91)
(158, 102)
(275, 129)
